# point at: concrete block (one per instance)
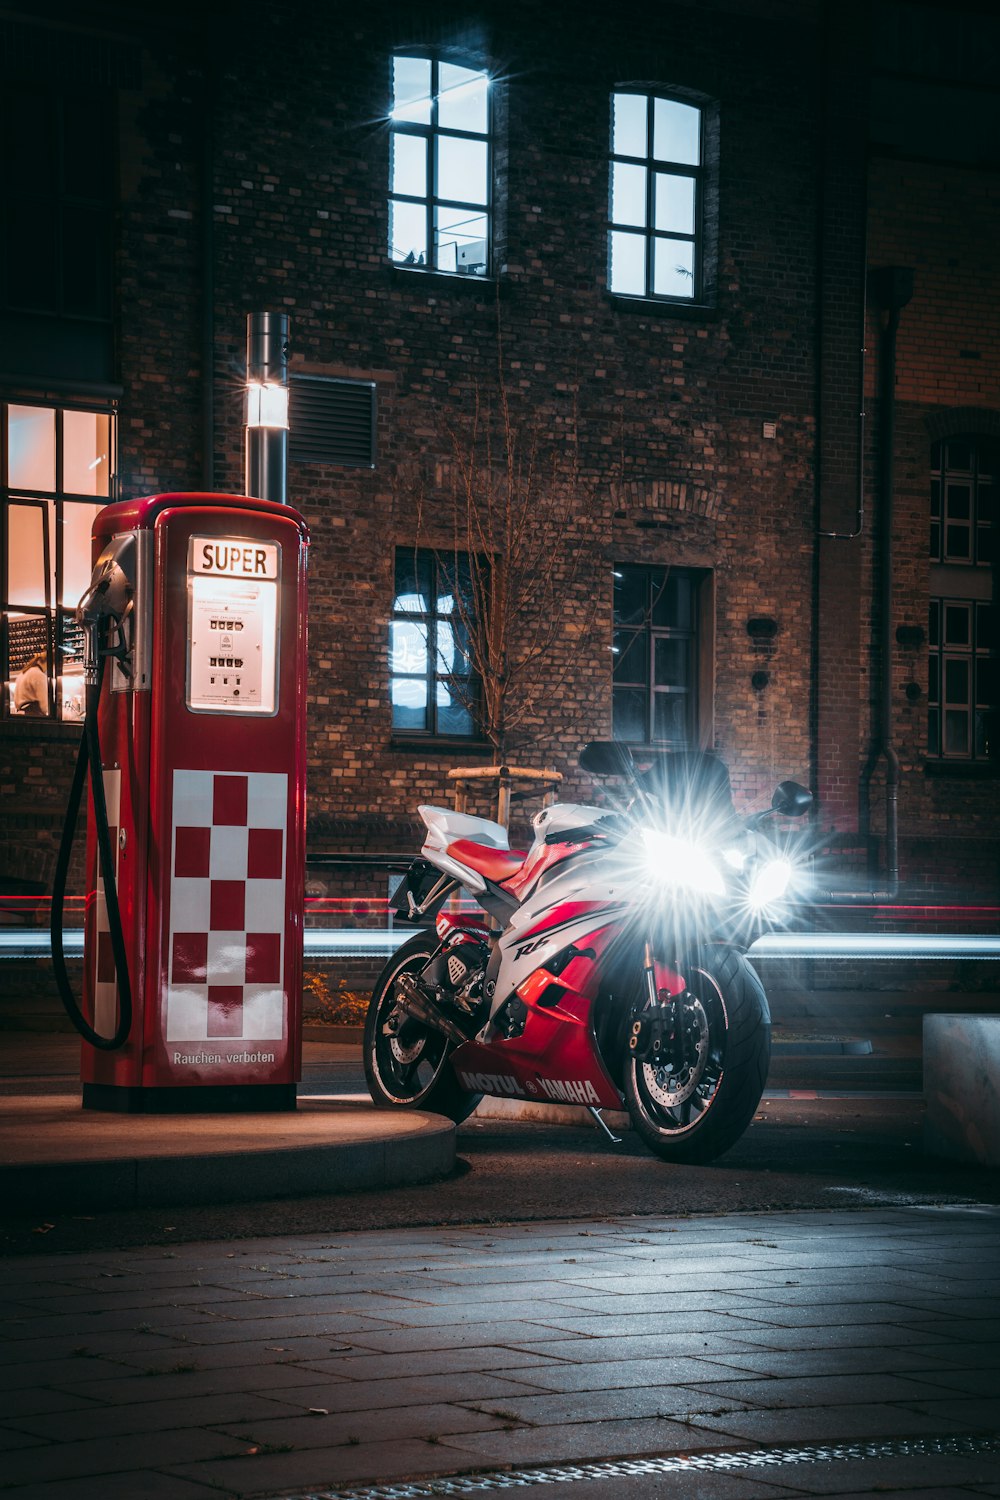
(962, 1087)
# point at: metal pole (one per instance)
(267, 407)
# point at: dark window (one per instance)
(655, 656)
(656, 197)
(440, 166)
(331, 421)
(433, 688)
(57, 468)
(964, 663)
(56, 169)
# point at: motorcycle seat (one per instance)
(495, 864)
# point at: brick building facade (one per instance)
(709, 432)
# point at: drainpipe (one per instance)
(891, 288)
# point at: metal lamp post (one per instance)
(266, 469)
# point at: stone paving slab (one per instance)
(318, 1362)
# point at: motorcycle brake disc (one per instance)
(668, 1088)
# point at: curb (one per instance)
(258, 1157)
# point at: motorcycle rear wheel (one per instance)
(696, 1112)
(410, 1068)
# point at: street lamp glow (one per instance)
(267, 404)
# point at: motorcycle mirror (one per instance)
(607, 758)
(791, 800)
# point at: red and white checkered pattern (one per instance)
(227, 906)
(105, 980)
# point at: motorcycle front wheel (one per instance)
(694, 1106)
(407, 1064)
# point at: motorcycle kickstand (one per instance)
(615, 1140)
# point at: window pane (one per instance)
(673, 600)
(32, 434)
(673, 274)
(407, 646)
(933, 732)
(461, 241)
(409, 164)
(453, 709)
(988, 682)
(670, 662)
(628, 193)
(32, 260)
(958, 542)
(455, 584)
(670, 716)
(959, 502)
(408, 233)
(676, 132)
(987, 621)
(935, 498)
(631, 662)
(956, 732)
(29, 668)
(934, 542)
(70, 686)
(628, 263)
(986, 544)
(628, 131)
(86, 453)
(86, 261)
(77, 524)
(987, 503)
(29, 583)
(462, 98)
(462, 169)
(956, 625)
(411, 90)
(409, 702)
(630, 595)
(956, 681)
(452, 649)
(674, 203)
(934, 623)
(629, 715)
(412, 587)
(958, 454)
(933, 674)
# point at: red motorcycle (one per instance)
(605, 966)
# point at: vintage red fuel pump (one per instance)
(196, 626)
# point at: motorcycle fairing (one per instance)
(554, 1060)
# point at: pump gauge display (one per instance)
(233, 588)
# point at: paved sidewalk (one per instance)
(783, 1354)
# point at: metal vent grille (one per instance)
(331, 421)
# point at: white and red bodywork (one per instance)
(207, 815)
(565, 902)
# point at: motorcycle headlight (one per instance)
(680, 864)
(770, 883)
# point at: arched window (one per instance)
(662, 145)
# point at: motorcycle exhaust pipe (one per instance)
(419, 1007)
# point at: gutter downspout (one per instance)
(892, 288)
(208, 279)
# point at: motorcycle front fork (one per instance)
(659, 1034)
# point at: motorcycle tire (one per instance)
(694, 1113)
(411, 1068)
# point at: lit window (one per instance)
(57, 474)
(655, 197)
(963, 685)
(440, 167)
(433, 688)
(655, 656)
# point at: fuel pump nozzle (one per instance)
(110, 596)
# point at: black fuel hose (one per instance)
(90, 754)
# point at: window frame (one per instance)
(695, 636)
(652, 165)
(431, 133)
(432, 676)
(56, 619)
